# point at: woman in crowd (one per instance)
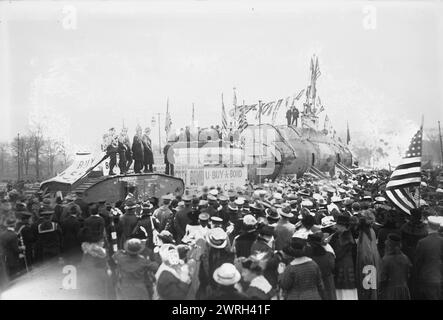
(325, 261)
(227, 287)
(301, 279)
(395, 271)
(345, 252)
(257, 286)
(173, 276)
(132, 271)
(368, 261)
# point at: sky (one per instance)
(122, 61)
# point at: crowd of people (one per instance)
(289, 239)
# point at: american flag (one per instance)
(224, 119)
(242, 121)
(406, 175)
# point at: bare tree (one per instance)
(38, 142)
(52, 149)
(4, 149)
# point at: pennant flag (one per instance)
(406, 175)
(348, 135)
(168, 121)
(270, 109)
(224, 119)
(277, 107)
(299, 94)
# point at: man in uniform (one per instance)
(111, 145)
(49, 237)
(295, 115)
(121, 149)
(24, 230)
(289, 116)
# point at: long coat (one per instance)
(345, 255)
(428, 266)
(326, 262)
(181, 219)
(302, 280)
(137, 149)
(395, 271)
(133, 279)
(147, 149)
(125, 227)
(70, 230)
(9, 247)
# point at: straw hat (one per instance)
(217, 238)
(226, 275)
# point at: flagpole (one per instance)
(259, 135)
(421, 150)
(441, 145)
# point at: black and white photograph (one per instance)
(201, 150)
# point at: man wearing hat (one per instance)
(95, 223)
(265, 240)
(49, 237)
(70, 198)
(24, 230)
(427, 275)
(71, 243)
(127, 223)
(218, 253)
(197, 231)
(213, 205)
(242, 243)
(9, 248)
(223, 210)
(164, 214)
(283, 229)
(147, 227)
(182, 218)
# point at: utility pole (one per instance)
(18, 157)
(441, 145)
(159, 137)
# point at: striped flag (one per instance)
(168, 121)
(406, 175)
(242, 121)
(224, 119)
